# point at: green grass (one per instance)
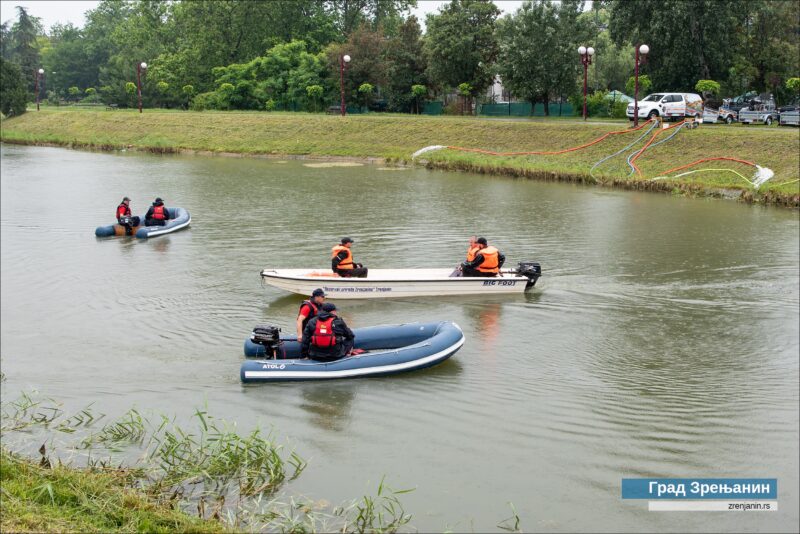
(64, 499)
(396, 137)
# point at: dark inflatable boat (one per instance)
(179, 218)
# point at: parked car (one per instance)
(789, 115)
(668, 105)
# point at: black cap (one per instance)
(318, 293)
(482, 241)
(158, 199)
(347, 240)
(328, 307)
(126, 199)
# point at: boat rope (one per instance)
(591, 173)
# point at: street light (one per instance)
(38, 77)
(139, 68)
(641, 56)
(586, 59)
(343, 61)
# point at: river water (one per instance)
(662, 340)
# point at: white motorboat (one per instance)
(388, 283)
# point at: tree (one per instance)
(367, 50)
(419, 92)
(365, 90)
(406, 65)
(612, 63)
(24, 46)
(349, 15)
(644, 85)
(461, 44)
(539, 45)
(13, 93)
(315, 93)
(793, 84)
(689, 40)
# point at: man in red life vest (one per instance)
(487, 262)
(124, 217)
(157, 214)
(327, 337)
(342, 261)
(308, 310)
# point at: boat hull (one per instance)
(179, 219)
(393, 283)
(393, 349)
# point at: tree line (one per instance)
(287, 54)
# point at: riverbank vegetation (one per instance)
(139, 473)
(396, 137)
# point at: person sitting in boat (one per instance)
(327, 337)
(472, 248)
(157, 214)
(308, 310)
(487, 262)
(124, 217)
(342, 261)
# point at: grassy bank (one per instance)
(396, 138)
(63, 499)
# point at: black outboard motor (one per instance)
(530, 270)
(268, 336)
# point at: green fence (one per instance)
(524, 109)
(433, 108)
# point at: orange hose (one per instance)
(707, 159)
(547, 153)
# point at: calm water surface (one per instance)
(661, 342)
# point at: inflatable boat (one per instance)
(387, 349)
(179, 218)
(387, 283)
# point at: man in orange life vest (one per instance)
(308, 310)
(342, 261)
(157, 214)
(124, 216)
(327, 337)
(487, 262)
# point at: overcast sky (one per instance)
(52, 11)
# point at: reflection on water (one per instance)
(662, 339)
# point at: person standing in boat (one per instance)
(327, 337)
(342, 261)
(157, 214)
(124, 217)
(308, 310)
(487, 261)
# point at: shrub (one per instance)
(270, 105)
(204, 101)
(644, 85)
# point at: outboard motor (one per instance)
(268, 336)
(530, 270)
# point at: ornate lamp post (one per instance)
(39, 74)
(586, 59)
(641, 56)
(343, 61)
(139, 68)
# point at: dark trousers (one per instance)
(355, 272)
(469, 271)
(154, 222)
(342, 350)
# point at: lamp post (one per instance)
(641, 56)
(586, 59)
(139, 68)
(38, 77)
(343, 61)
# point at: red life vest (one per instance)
(323, 334)
(158, 212)
(312, 311)
(123, 210)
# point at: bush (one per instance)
(270, 105)
(204, 101)
(13, 96)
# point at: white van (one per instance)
(668, 105)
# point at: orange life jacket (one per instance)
(347, 262)
(491, 260)
(323, 334)
(158, 212)
(471, 251)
